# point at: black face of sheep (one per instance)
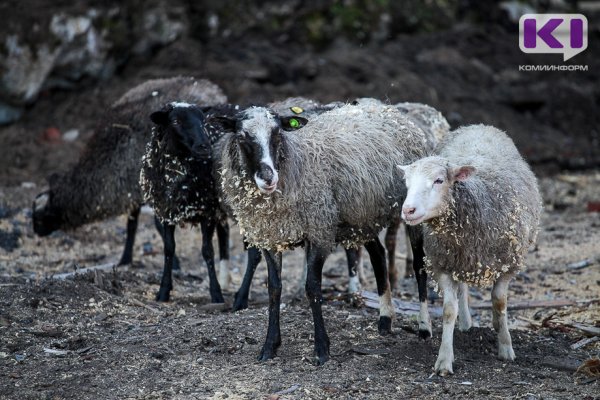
(187, 123)
(46, 219)
(260, 134)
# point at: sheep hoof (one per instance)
(163, 295)
(125, 261)
(465, 325)
(217, 298)
(268, 352)
(443, 366)
(240, 302)
(321, 359)
(385, 325)
(506, 352)
(424, 333)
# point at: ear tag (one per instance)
(294, 123)
(297, 110)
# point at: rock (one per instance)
(71, 135)
(51, 135)
(9, 114)
(69, 44)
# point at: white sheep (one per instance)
(480, 207)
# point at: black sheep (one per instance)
(105, 181)
(178, 180)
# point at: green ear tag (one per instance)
(294, 123)
(297, 110)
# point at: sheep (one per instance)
(331, 182)
(177, 180)
(480, 207)
(305, 108)
(104, 182)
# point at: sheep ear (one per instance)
(226, 123)
(160, 117)
(463, 173)
(402, 170)
(292, 123)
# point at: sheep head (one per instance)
(260, 134)
(429, 182)
(183, 129)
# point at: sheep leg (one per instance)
(409, 255)
(390, 245)
(443, 364)
(386, 310)
(315, 259)
(161, 231)
(360, 268)
(500, 320)
(464, 315)
(416, 242)
(223, 236)
(208, 230)
(353, 257)
(241, 296)
(166, 283)
(132, 223)
(273, 340)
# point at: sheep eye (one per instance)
(438, 181)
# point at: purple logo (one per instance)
(553, 33)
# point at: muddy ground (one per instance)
(103, 336)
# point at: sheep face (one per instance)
(260, 136)
(46, 219)
(429, 182)
(183, 129)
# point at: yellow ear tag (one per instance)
(297, 110)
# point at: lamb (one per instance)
(325, 184)
(480, 207)
(104, 182)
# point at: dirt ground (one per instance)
(103, 336)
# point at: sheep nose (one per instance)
(408, 210)
(266, 173)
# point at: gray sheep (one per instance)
(104, 182)
(480, 207)
(331, 182)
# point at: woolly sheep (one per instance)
(325, 184)
(307, 109)
(480, 207)
(104, 182)
(177, 180)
